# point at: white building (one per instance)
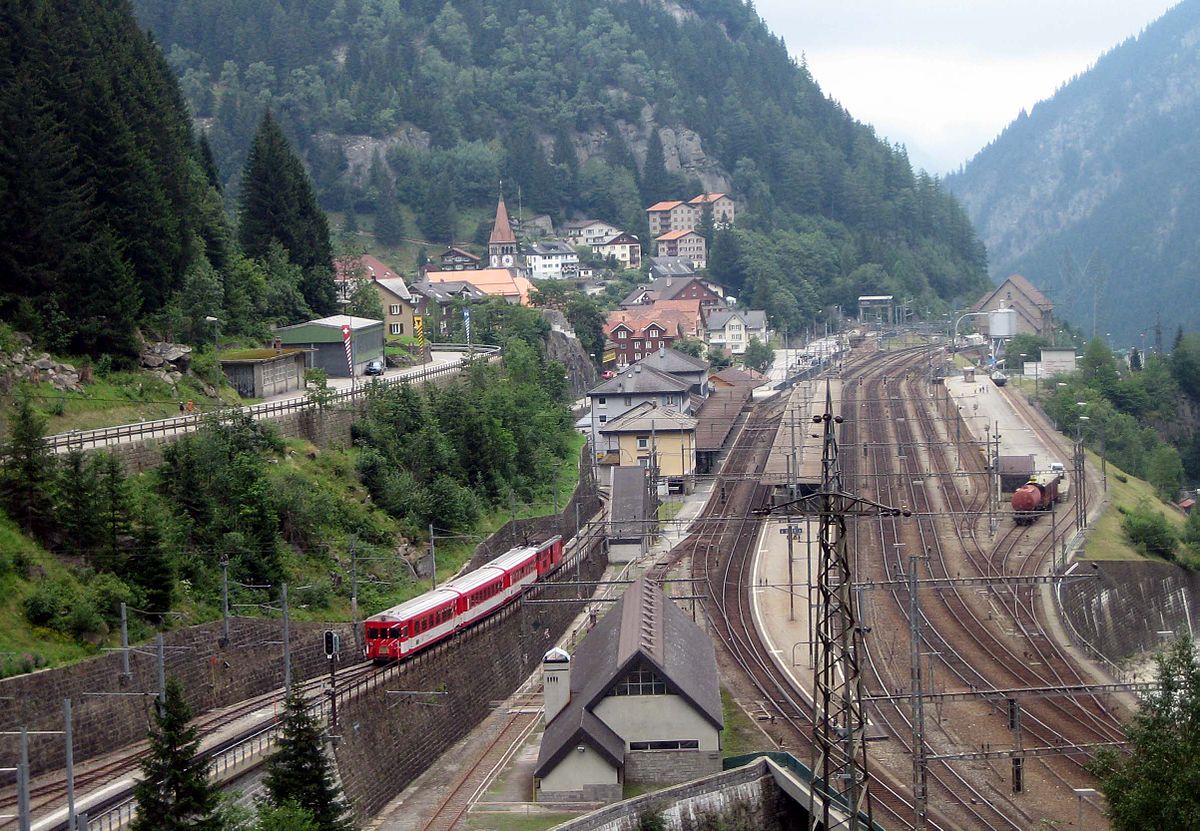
(639, 703)
(551, 260)
(731, 330)
(590, 231)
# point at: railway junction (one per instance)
(967, 705)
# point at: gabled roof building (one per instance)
(1034, 311)
(638, 703)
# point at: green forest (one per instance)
(453, 90)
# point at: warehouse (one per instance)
(325, 338)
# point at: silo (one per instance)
(1002, 324)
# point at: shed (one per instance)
(323, 340)
(262, 373)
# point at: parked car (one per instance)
(375, 367)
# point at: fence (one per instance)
(124, 433)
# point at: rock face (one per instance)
(1090, 194)
(360, 151)
(22, 365)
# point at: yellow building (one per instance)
(657, 437)
(397, 307)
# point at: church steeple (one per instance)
(502, 244)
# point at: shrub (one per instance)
(49, 601)
(83, 619)
(1150, 532)
(106, 593)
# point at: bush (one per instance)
(1150, 532)
(49, 601)
(83, 619)
(106, 593)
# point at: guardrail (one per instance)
(125, 433)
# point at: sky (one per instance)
(944, 77)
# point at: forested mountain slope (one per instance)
(590, 109)
(1095, 194)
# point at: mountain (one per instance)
(593, 109)
(1095, 194)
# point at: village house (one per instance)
(631, 387)
(590, 231)
(347, 271)
(685, 244)
(670, 267)
(625, 248)
(458, 259)
(639, 704)
(431, 300)
(731, 329)
(397, 302)
(509, 283)
(551, 260)
(634, 334)
(674, 288)
(659, 438)
(681, 365)
(677, 215)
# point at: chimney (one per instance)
(662, 350)
(556, 678)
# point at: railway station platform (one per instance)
(984, 404)
(782, 611)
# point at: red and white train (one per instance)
(415, 624)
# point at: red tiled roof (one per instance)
(501, 282)
(705, 197)
(344, 268)
(674, 235)
(665, 206)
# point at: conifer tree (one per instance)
(175, 793)
(207, 163)
(278, 205)
(389, 224)
(27, 471)
(437, 219)
(656, 182)
(299, 773)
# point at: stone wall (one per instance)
(742, 799)
(387, 741)
(1120, 612)
(657, 767)
(212, 676)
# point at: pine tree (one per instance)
(175, 793)
(278, 205)
(27, 472)
(389, 224)
(300, 772)
(437, 220)
(656, 182)
(112, 493)
(207, 163)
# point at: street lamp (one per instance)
(216, 324)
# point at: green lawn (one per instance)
(1107, 540)
(741, 735)
(668, 510)
(512, 821)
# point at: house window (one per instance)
(643, 442)
(603, 419)
(629, 401)
(601, 401)
(637, 356)
(395, 328)
(641, 682)
(637, 344)
(394, 309)
(622, 334)
(669, 744)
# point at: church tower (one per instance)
(502, 245)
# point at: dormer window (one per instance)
(641, 682)
(622, 334)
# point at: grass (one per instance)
(741, 735)
(513, 821)
(668, 510)
(1107, 540)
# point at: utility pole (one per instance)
(992, 463)
(70, 759)
(23, 818)
(224, 600)
(124, 642)
(162, 670)
(354, 590)
(287, 649)
(920, 772)
(433, 556)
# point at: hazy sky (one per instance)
(944, 77)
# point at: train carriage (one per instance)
(404, 629)
(413, 625)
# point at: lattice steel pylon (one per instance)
(840, 796)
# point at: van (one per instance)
(1057, 467)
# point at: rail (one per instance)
(178, 425)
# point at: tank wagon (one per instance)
(1035, 496)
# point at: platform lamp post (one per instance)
(1081, 793)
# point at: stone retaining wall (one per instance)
(213, 676)
(387, 741)
(1121, 612)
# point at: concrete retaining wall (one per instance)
(387, 741)
(212, 676)
(742, 799)
(660, 766)
(1123, 610)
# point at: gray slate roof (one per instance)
(396, 286)
(671, 267)
(446, 291)
(629, 506)
(644, 629)
(646, 417)
(673, 361)
(640, 379)
(754, 319)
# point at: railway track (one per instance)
(964, 639)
